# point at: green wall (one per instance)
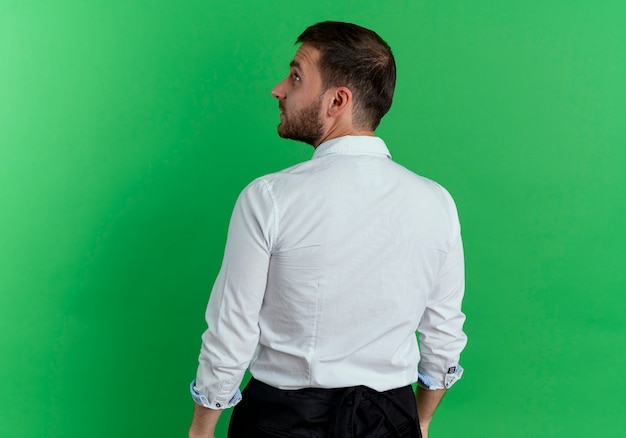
(127, 129)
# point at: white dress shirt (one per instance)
(330, 268)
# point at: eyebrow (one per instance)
(294, 63)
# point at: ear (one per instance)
(340, 100)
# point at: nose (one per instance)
(279, 91)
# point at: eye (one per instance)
(295, 76)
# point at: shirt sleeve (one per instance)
(441, 329)
(232, 313)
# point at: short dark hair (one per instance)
(359, 59)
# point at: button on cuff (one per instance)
(453, 374)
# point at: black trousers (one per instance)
(356, 412)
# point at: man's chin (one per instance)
(281, 132)
(284, 132)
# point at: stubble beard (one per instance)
(305, 125)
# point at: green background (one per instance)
(127, 129)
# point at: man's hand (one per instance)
(204, 422)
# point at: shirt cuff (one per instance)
(454, 373)
(203, 399)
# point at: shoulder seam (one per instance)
(276, 211)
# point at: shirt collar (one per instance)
(352, 144)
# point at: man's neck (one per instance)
(336, 133)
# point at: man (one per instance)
(331, 266)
